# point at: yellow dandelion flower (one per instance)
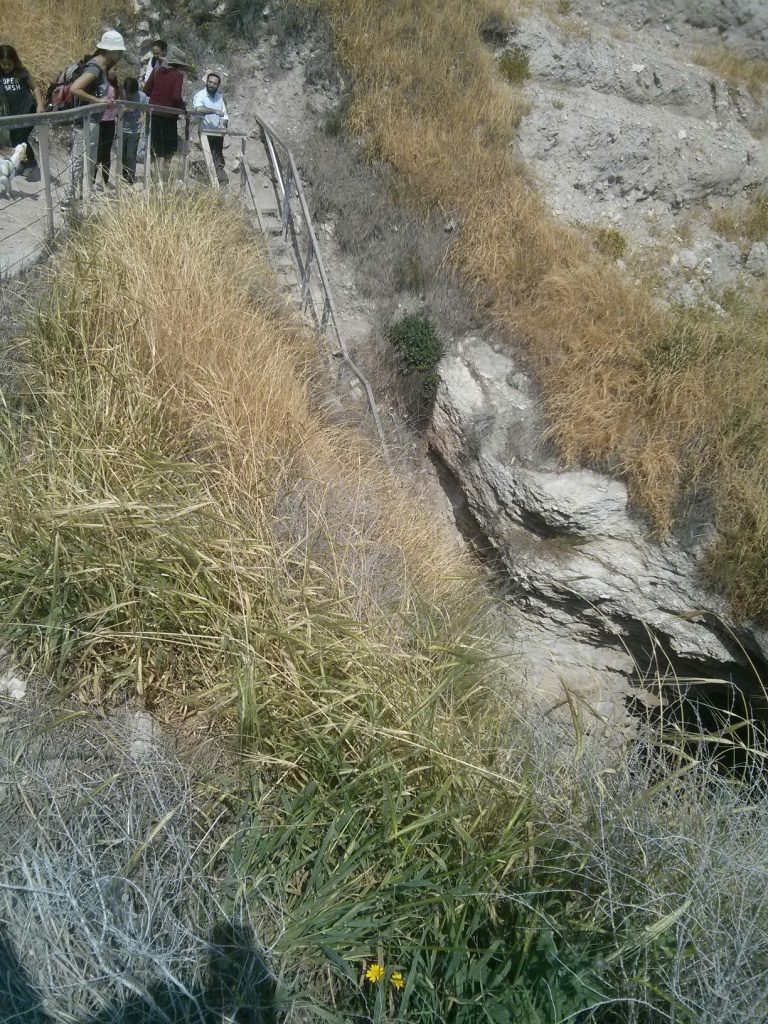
(397, 979)
(375, 973)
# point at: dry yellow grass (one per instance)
(663, 396)
(745, 223)
(170, 438)
(242, 374)
(736, 68)
(50, 35)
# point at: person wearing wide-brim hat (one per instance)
(164, 88)
(92, 86)
(177, 58)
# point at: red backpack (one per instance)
(59, 96)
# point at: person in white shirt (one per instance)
(210, 102)
(152, 60)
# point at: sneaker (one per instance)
(32, 174)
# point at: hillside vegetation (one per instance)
(675, 400)
(179, 522)
(736, 68)
(50, 35)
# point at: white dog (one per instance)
(9, 167)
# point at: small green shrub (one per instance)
(417, 343)
(334, 123)
(494, 30)
(292, 20)
(564, 7)
(251, 20)
(610, 242)
(513, 64)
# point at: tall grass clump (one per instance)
(288, 20)
(513, 65)
(50, 35)
(736, 68)
(111, 899)
(667, 840)
(430, 101)
(179, 522)
(747, 223)
(229, 425)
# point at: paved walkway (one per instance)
(23, 224)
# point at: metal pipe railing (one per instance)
(88, 110)
(286, 183)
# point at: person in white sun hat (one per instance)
(92, 86)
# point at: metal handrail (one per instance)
(88, 110)
(313, 256)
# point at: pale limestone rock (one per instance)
(581, 563)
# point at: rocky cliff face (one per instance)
(603, 604)
(740, 23)
(627, 132)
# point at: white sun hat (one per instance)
(111, 40)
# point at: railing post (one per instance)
(307, 274)
(185, 153)
(287, 202)
(119, 153)
(148, 152)
(87, 160)
(243, 169)
(44, 136)
(209, 165)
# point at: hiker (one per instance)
(210, 102)
(19, 94)
(164, 87)
(131, 127)
(106, 136)
(152, 60)
(92, 86)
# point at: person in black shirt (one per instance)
(19, 94)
